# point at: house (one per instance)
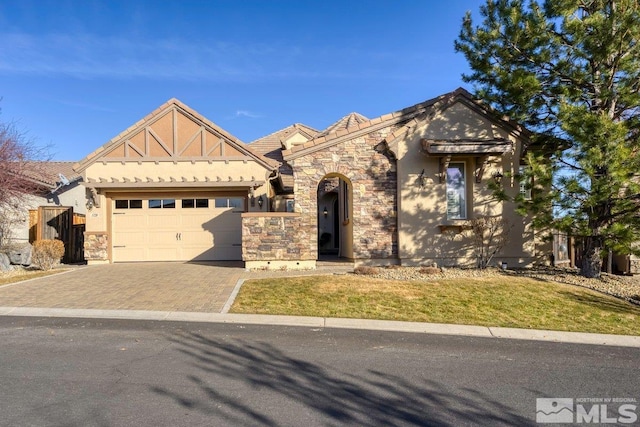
(172, 187)
(399, 188)
(57, 185)
(52, 207)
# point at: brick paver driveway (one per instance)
(167, 286)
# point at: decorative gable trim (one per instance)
(173, 132)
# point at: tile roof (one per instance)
(270, 146)
(403, 115)
(349, 121)
(47, 173)
(406, 116)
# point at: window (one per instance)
(456, 192)
(525, 182)
(162, 203)
(290, 205)
(195, 203)
(128, 204)
(344, 190)
(236, 203)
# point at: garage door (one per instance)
(177, 229)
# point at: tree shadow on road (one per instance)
(338, 397)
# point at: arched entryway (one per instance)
(335, 223)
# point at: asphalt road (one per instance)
(76, 372)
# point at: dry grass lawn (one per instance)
(516, 302)
(21, 275)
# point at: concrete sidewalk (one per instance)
(204, 293)
(328, 322)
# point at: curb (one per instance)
(333, 323)
(232, 297)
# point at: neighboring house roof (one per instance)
(271, 146)
(347, 122)
(406, 118)
(172, 105)
(47, 174)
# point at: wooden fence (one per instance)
(57, 222)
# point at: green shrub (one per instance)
(46, 254)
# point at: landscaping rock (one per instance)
(5, 263)
(20, 255)
(625, 287)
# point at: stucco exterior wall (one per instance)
(295, 139)
(425, 233)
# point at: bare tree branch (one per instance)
(22, 170)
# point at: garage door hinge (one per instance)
(119, 246)
(119, 213)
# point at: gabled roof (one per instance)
(407, 117)
(271, 146)
(173, 105)
(349, 121)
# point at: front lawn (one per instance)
(507, 301)
(20, 275)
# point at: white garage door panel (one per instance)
(197, 238)
(163, 254)
(163, 220)
(215, 253)
(127, 253)
(176, 234)
(162, 237)
(225, 238)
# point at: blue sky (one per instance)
(73, 74)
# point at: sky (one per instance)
(76, 73)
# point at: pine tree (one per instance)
(570, 71)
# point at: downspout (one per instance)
(269, 177)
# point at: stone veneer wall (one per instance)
(276, 236)
(635, 265)
(96, 246)
(373, 181)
